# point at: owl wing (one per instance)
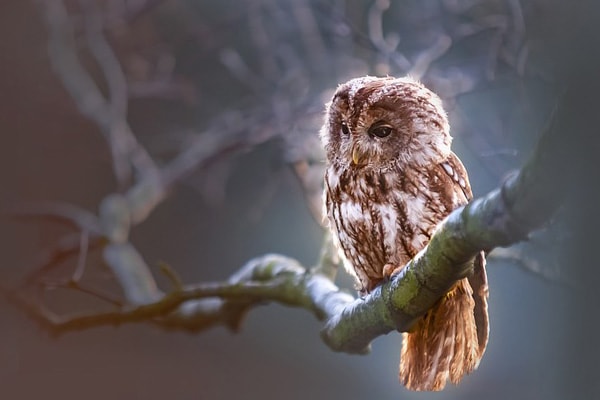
(455, 170)
(478, 281)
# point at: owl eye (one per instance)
(380, 131)
(345, 129)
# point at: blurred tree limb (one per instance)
(504, 216)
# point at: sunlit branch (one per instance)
(503, 217)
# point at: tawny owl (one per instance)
(391, 177)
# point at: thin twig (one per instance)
(172, 275)
(530, 264)
(272, 277)
(70, 214)
(66, 247)
(428, 56)
(78, 286)
(82, 258)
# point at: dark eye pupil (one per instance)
(345, 129)
(380, 131)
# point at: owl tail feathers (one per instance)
(443, 344)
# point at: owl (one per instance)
(390, 179)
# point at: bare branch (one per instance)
(140, 8)
(132, 274)
(386, 45)
(232, 60)
(66, 213)
(504, 216)
(109, 115)
(518, 256)
(78, 286)
(310, 35)
(66, 247)
(262, 41)
(428, 56)
(84, 246)
(271, 277)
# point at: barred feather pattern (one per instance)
(390, 179)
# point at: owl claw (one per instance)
(389, 270)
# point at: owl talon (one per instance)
(389, 270)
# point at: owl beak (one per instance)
(357, 154)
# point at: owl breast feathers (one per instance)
(391, 178)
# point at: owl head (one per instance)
(377, 123)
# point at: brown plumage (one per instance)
(391, 178)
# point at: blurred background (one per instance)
(248, 81)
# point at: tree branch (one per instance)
(109, 113)
(503, 217)
(271, 277)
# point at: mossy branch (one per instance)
(504, 216)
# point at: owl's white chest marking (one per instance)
(370, 230)
(418, 215)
